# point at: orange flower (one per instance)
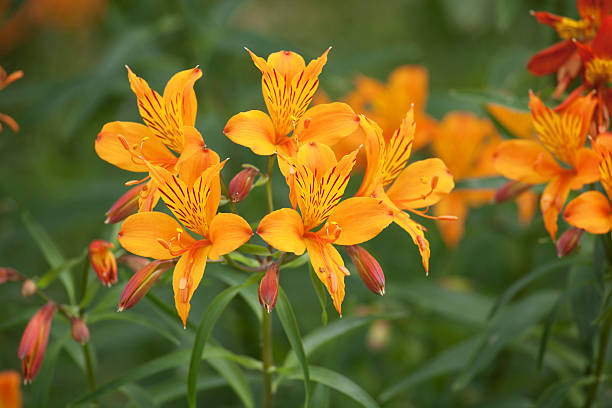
(318, 185)
(466, 144)
(531, 161)
(592, 211)
(169, 128)
(194, 202)
(386, 104)
(419, 185)
(6, 80)
(34, 341)
(288, 86)
(562, 57)
(103, 261)
(10, 390)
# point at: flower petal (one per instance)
(552, 202)
(452, 231)
(587, 169)
(140, 232)
(516, 160)
(227, 232)
(252, 129)
(517, 122)
(590, 211)
(328, 265)
(196, 157)
(550, 59)
(283, 229)
(180, 96)
(327, 123)
(416, 181)
(360, 219)
(417, 233)
(186, 278)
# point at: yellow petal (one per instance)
(227, 232)
(140, 234)
(398, 149)
(318, 157)
(327, 123)
(286, 63)
(413, 187)
(521, 159)
(196, 157)
(186, 278)
(360, 219)
(590, 211)
(111, 149)
(252, 129)
(417, 234)
(552, 201)
(283, 229)
(517, 122)
(375, 150)
(180, 96)
(329, 267)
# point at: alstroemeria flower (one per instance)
(562, 57)
(531, 161)
(597, 58)
(319, 183)
(288, 85)
(419, 185)
(168, 132)
(592, 211)
(194, 202)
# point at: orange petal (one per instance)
(527, 204)
(417, 233)
(110, 148)
(227, 232)
(517, 122)
(398, 148)
(149, 197)
(375, 150)
(140, 233)
(327, 123)
(517, 159)
(187, 275)
(590, 211)
(550, 60)
(452, 231)
(196, 157)
(413, 187)
(180, 96)
(252, 129)
(587, 169)
(360, 219)
(286, 63)
(552, 201)
(9, 121)
(318, 157)
(283, 229)
(329, 267)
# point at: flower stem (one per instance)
(269, 183)
(601, 359)
(88, 363)
(266, 328)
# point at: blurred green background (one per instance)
(75, 82)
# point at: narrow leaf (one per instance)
(135, 318)
(235, 378)
(320, 291)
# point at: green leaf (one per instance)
(485, 183)
(50, 251)
(339, 383)
(235, 378)
(134, 318)
(244, 260)
(138, 395)
(254, 249)
(449, 361)
(249, 294)
(554, 395)
(54, 272)
(321, 295)
(296, 263)
(290, 326)
(585, 302)
(42, 385)
(548, 323)
(212, 313)
(175, 389)
(509, 324)
(216, 351)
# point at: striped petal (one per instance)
(186, 278)
(329, 268)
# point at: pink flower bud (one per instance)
(241, 184)
(28, 288)
(79, 330)
(268, 288)
(568, 241)
(103, 261)
(141, 282)
(125, 206)
(369, 269)
(8, 275)
(34, 341)
(510, 190)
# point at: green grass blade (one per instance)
(235, 378)
(320, 291)
(135, 319)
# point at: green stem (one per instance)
(225, 192)
(88, 363)
(84, 282)
(266, 328)
(601, 359)
(240, 267)
(271, 160)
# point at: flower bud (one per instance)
(34, 341)
(134, 262)
(241, 184)
(8, 275)
(28, 288)
(268, 288)
(79, 330)
(103, 261)
(125, 206)
(370, 271)
(141, 282)
(510, 190)
(10, 389)
(568, 241)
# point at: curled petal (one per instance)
(284, 230)
(417, 233)
(590, 211)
